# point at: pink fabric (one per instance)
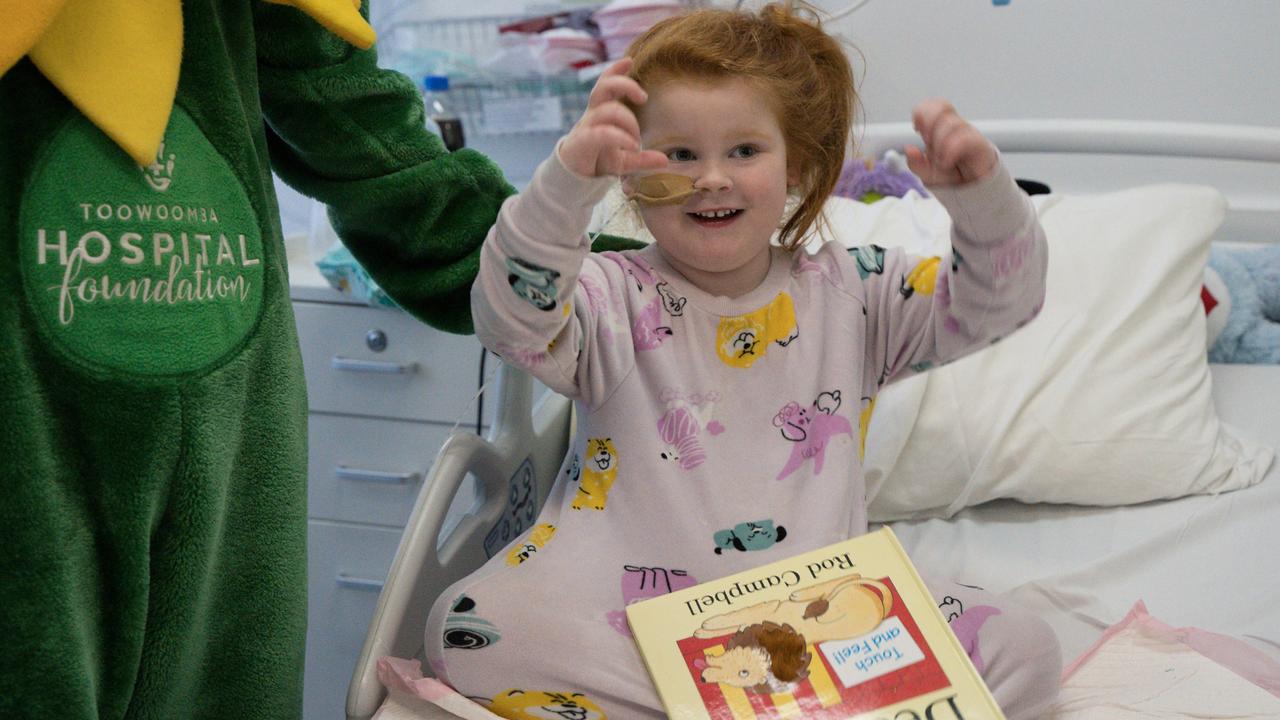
(404, 677)
(1233, 654)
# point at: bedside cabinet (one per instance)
(384, 392)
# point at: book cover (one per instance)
(845, 631)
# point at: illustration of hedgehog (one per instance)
(761, 658)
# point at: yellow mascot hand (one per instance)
(117, 61)
(340, 17)
(26, 23)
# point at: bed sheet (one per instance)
(1209, 562)
(1202, 561)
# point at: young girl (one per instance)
(723, 382)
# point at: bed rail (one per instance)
(1085, 156)
(1103, 137)
(525, 447)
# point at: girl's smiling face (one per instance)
(725, 136)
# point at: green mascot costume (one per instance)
(152, 522)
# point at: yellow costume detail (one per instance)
(117, 61)
(340, 17)
(25, 24)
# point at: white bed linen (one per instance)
(1211, 562)
(1200, 561)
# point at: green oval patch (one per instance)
(151, 271)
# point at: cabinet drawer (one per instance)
(369, 470)
(419, 374)
(345, 570)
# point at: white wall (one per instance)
(1204, 61)
(1183, 60)
(1175, 60)
(1180, 60)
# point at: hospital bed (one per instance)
(1206, 560)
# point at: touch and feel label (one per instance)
(887, 648)
(151, 271)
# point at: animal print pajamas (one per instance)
(714, 434)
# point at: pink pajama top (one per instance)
(714, 434)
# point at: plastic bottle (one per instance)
(448, 124)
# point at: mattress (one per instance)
(1211, 562)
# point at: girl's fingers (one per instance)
(919, 165)
(620, 154)
(627, 162)
(930, 116)
(954, 151)
(643, 160)
(621, 67)
(612, 138)
(948, 141)
(617, 115)
(929, 169)
(612, 144)
(978, 156)
(927, 112)
(616, 87)
(967, 153)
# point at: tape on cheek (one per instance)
(662, 189)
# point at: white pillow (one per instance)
(1103, 400)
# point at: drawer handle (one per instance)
(373, 366)
(375, 476)
(358, 583)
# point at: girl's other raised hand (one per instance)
(606, 139)
(954, 151)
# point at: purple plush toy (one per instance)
(870, 181)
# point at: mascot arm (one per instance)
(353, 136)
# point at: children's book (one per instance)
(845, 631)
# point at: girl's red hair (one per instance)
(791, 59)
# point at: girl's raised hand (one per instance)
(954, 151)
(606, 139)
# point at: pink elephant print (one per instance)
(966, 624)
(810, 429)
(640, 272)
(648, 332)
(679, 430)
(688, 414)
(598, 303)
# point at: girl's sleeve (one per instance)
(539, 302)
(924, 312)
